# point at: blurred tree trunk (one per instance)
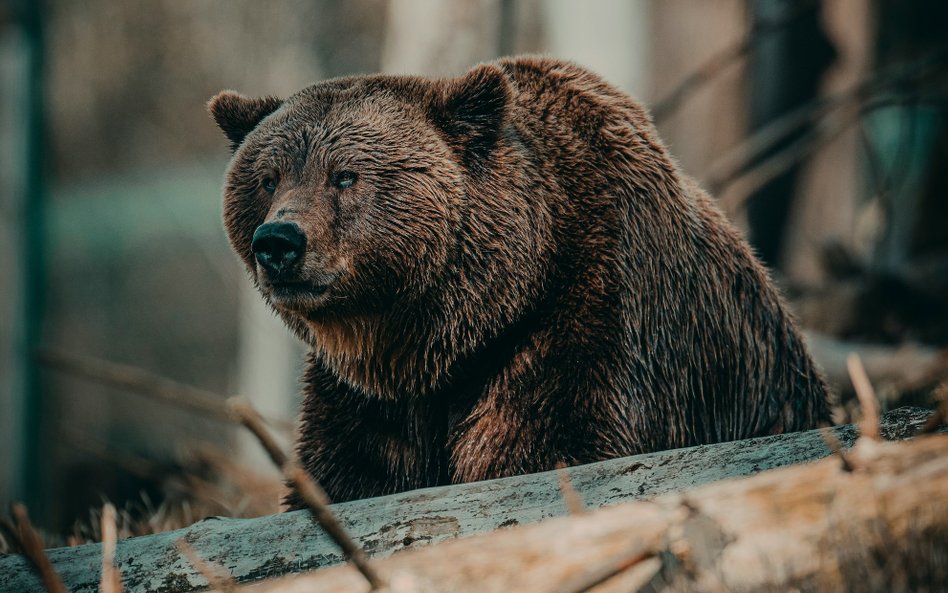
(437, 38)
(708, 121)
(612, 37)
(12, 167)
(912, 137)
(786, 67)
(22, 252)
(830, 186)
(269, 364)
(887, 228)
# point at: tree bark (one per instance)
(813, 527)
(252, 549)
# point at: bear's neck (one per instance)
(386, 356)
(428, 348)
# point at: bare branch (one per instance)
(775, 531)
(869, 425)
(462, 510)
(32, 546)
(736, 163)
(718, 63)
(317, 501)
(745, 185)
(308, 490)
(940, 416)
(211, 574)
(111, 579)
(146, 383)
(574, 504)
(836, 447)
(742, 186)
(247, 415)
(598, 576)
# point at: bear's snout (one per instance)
(278, 246)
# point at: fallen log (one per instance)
(252, 549)
(881, 527)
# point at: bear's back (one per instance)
(706, 343)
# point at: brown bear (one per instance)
(497, 273)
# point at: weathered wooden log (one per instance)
(252, 549)
(882, 527)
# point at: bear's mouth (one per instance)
(296, 296)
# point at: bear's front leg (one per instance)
(513, 433)
(359, 446)
(550, 403)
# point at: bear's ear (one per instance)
(237, 115)
(472, 109)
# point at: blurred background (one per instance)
(125, 320)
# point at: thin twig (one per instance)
(130, 462)
(745, 185)
(836, 447)
(32, 546)
(672, 102)
(211, 574)
(146, 383)
(601, 574)
(935, 421)
(881, 181)
(9, 542)
(736, 162)
(318, 502)
(869, 424)
(308, 490)
(247, 415)
(719, 62)
(111, 579)
(940, 415)
(574, 503)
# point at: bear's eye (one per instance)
(343, 179)
(269, 183)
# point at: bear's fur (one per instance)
(520, 275)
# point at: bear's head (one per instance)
(348, 201)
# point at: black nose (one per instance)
(278, 246)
